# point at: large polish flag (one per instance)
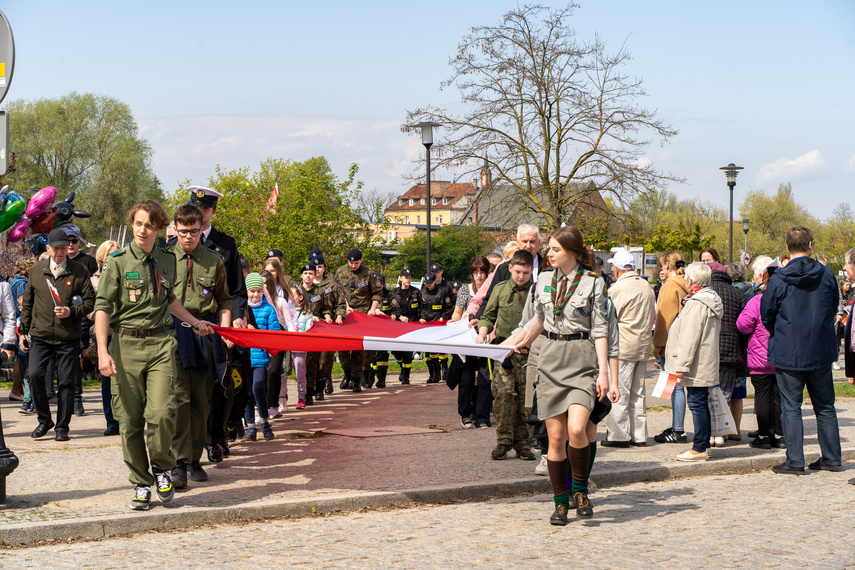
(364, 332)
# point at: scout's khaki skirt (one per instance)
(566, 374)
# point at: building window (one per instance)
(434, 201)
(422, 202)
(403, 201)
(406, 219)
(412, 201)
(418, 219)
(439, 219)
(446, 200)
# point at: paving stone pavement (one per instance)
(79, 488)
(758, 520)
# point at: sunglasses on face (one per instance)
(73, 241)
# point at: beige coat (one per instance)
(635, 305)
(693, 340)
(670, 297)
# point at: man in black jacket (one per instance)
(58, 295)
(798, 309)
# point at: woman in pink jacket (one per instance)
(767, 398)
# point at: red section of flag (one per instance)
(54, 292)
(323, 337)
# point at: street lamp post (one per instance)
(745, 223)
(731, 170)
(427, 140)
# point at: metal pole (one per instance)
(731, 223)
(427, 186)
(746, 242)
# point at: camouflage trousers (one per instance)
(509, 403)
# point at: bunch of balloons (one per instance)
(38, 217)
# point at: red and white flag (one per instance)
(56, 298)
(664, 385)
(276, 191)
(364, 332)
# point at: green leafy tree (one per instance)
(452, 246)
(680, 239)
(84, 143)
(547, 114)
(838, 234)
(771, 217)
(313, 210)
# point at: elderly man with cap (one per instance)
(223, 244)
(58, 295)
(635, 306)
(362, 294)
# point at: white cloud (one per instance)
(643, 162)
(785, 169)
(851, 164)
(191, 146)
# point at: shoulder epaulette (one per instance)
(592, 274)
(166, 249)
(117, 253)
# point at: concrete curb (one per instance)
(184, 516)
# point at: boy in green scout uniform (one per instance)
(200, 286)
(504, 310)
(135, 299)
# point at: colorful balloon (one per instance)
(19, 230)
(44, 223)
(11, 208)
(41, 202)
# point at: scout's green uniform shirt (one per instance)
(360, 287)
(200, 281)
(136, 288)
(504, 308)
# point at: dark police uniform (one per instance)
(436, 305)
(405, 303)
(201, 288)
(380, 358)
(136, 289)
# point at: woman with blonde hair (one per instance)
(105, 249)
(668, 306)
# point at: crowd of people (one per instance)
(580, 341)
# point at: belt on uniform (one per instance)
(142, 333)
(574, 336)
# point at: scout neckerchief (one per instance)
(559, 295)
(518, 290)
(155, 278)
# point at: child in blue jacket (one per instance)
(265, 318)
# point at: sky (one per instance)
(767, 85)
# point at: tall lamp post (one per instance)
(731, 170)
(745, 223)
(427, 140)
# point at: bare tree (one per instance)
(371, 204)
(547, 115)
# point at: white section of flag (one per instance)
(455, 338)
